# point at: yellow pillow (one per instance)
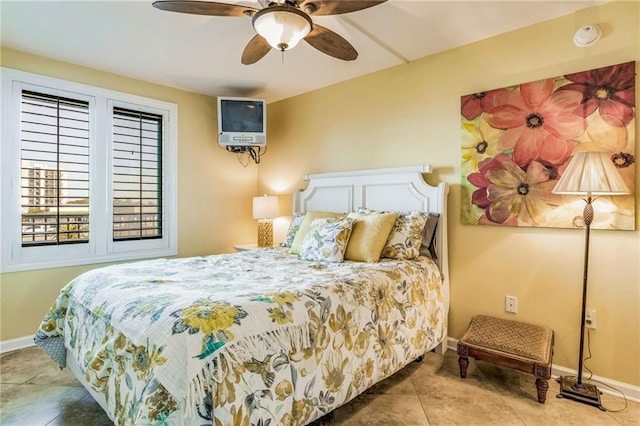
(369, 236)
(296, 244)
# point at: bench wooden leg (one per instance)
(542, 385)
(463, 361)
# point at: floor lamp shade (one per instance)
(588, 174)
(264, 209)
(591, 173)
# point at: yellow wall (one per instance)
(214, 190)
(406, 115)
(410, 115)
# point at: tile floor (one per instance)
(34, 392)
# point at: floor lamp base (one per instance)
(584, 392)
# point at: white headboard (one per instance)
(396, 189)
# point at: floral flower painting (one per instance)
(517, 142)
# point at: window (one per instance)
(137, 175)
(96, 174)
(54, 161)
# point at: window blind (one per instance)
(137, 175)
(54, 150)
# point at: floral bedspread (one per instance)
(256, 337)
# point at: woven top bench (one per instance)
(514, 344)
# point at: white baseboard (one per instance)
(15, 344)
(631, 392)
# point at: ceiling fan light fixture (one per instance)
(282, 26)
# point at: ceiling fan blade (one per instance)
(204, 8)
(331, 43)
(255, 50)
(335, 7)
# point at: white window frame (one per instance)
(101, 247)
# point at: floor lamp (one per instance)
(588, 174)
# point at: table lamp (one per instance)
(264, 209)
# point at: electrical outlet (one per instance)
(511, 304)
(590, 318)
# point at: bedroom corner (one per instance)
(412, 111)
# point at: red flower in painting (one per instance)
(539, 123)
(477, 103)
(609, 90)
(478, 179)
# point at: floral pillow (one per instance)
(296, 221)
(326, 240)
(304, 226)
(364, 210)
(406, 236)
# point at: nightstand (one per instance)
(246, 247)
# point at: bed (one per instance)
(273, 336)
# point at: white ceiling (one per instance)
(202, 53)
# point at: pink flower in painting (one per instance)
(477, 103)
(539, 123)
(514, 192)
(609, 90)
(511, 195)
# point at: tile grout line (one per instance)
(424, 410)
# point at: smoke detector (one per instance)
(586, 36)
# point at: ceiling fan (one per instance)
(281, 24)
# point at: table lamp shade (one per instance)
(264, 209)
(591, 173)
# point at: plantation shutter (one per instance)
(54, 151)
(137, 175)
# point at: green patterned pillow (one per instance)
(296, 221)
(326, 240)
(406, 236)
(304, 226)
